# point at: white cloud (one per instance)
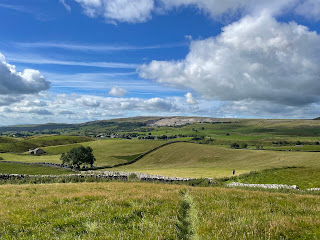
(89, 102)
(256, 58)
(119, 10)
(41, 60)
(190, 99)
(216, 8)
(29, 81)
(94, 47)
(141, 10)
(65, 5)
(309, 9)
(117, 91)
(263, 109)
(6, 100)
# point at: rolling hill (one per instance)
(196, 160)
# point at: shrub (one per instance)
(235, 145)
(244, 145)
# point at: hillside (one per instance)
(196, 160)
(106, 152)
(15, 145)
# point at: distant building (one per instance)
(36, 151)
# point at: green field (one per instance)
(196, 160)
(153, 211)
(304, 177)
(16, 168)
(107, 152)
(19, 145)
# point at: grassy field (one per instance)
(15, 168)
(304, 177)
(153, 211)
(88, 211)
(241, 214)
(19, 145)
(106, 152)
(195, 160)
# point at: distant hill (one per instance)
(112, 125)
(33, 127)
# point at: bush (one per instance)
(244, 145)
(1, 158)
(133, 177)
(235, 145)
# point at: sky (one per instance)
(72, 61)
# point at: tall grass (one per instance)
(118, 210)
(88, 211)
(242, 214)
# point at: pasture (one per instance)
(106, 152)
(153, 211)
(16, 168)
(198, 160)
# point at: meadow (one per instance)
(199, 160)
(19, 145)
(106, 152)
(153, 211)
(16, 168)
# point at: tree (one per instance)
(78, 156)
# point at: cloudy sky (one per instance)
(81, 60)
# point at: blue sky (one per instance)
(83, 60)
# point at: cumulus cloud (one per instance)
(8, 100)
(256, 58)
(89, 102)
(117, 91)
(119, 10)
(309, 9)
(217, 8)
(141, 10)
(190, 99)
(29, 81)
(82, 108)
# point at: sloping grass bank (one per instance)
(195, 160)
